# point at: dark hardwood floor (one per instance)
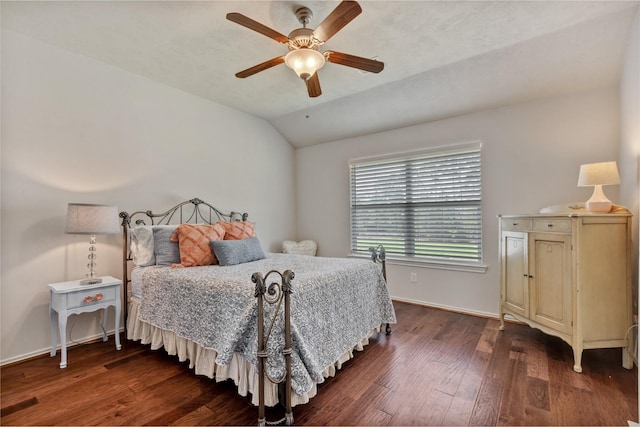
(436, 368)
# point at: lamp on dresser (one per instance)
(91, 219)
(597, 175)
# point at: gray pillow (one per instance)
(232, 252)
(166, 251)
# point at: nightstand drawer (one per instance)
(516, 224)
(91, 297)
(557, 225)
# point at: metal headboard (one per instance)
(194, 211)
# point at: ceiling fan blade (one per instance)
(313, 85)
(260, 67)
(239, 18)
(366, 64)
(344, 13)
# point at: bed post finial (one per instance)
(378, 254)
(126, 219)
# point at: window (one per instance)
(426, 206)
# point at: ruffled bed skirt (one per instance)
(203, 360)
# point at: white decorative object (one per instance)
(92, 219)
(597, 175)
(305, 247)
(73, 297)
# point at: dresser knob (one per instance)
(89, 299)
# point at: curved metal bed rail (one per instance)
(193, 211)
(274, 293)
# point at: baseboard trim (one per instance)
(448, 308)
(46, 351)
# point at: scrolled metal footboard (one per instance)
(274, 293)
(378, 254)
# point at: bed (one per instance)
(207, 314)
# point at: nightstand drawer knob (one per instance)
(89, 299)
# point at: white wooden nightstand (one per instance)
(73, 298)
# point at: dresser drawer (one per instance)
(90, 297)
(552, 224)
(516, 224)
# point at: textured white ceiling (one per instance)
(442, 58)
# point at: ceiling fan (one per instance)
(304, 56)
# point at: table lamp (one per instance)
(92, 219)
(597, 175)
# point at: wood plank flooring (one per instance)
(436, 368)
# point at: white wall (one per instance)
(531, 156)
(77, 130)
(629, 159)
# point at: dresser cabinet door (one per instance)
(515, 289)
(550, 268)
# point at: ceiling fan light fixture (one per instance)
(305, 62)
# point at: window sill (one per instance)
(408, 261)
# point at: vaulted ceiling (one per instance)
(442, 58)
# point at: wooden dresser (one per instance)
(569, 275)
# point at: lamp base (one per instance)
(598, 201)
(601, 207)
(91, 281)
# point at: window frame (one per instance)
(445, 263)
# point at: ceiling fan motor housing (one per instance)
(303, 38)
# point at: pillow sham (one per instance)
(238, 230)
(193, 241)
(142, 251)
(232, 252)
(166, 252)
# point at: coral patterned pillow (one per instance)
(193, 240)
(238, 230)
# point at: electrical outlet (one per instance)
(414, 277)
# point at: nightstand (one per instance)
(73, 298)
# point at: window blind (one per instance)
(423, 205)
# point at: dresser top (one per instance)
(571, 211)
(566, 215)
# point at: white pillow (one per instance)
(305, 247)
(141, 237)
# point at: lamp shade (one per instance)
(92, 219)
(604, 173)
(305, 62)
